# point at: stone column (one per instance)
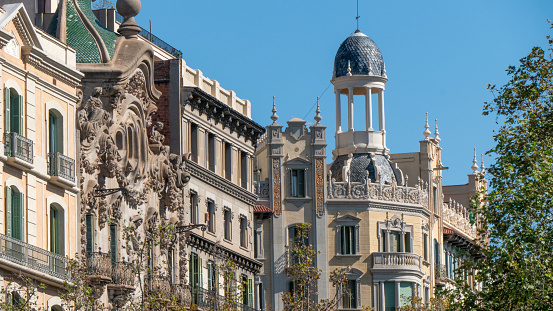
(369, 110)
(338, 112)
(397, 285)
(350, 109)
(381, 121)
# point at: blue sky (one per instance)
(439, 57)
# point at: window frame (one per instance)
(354, 278)
(243, 231)
(227, 218)
(341, 223)
(395, 224)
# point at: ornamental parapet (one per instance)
(368, 190)
(459, 217)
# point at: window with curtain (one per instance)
(89, 233)
(15, 224)
(297, 183)
(14, 111)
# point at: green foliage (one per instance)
(517, 217)
(301, 269)
(416, 304)
(20, 294)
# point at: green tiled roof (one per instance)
(78, 35)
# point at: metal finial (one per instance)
(436, 133)
(474, 166)
(349, 69)
(318, 117)
(426, 132)
(357, 17)
(274, 117)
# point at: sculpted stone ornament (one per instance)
(93, 119)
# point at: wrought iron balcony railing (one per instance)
(441, 272)
(123, 274)
(61, 166)
(18, 146)
(33, 257)
(99, 266)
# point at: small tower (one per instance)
(359, 70)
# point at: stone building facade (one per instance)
(39, 193)
(380, 216)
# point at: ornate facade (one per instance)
(386, 218)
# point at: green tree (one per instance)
(517, 217)
(301, 269)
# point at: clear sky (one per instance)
(439, 57)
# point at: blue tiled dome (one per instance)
(363, 55)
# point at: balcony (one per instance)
(122, 276)
(19, 150)
(211, 300)
(398, 263)
(61, 168)
(441, 274)
(99, 267)
(33, 257)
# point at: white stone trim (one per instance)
(10, 83)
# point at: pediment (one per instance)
(348, 218)
(297, 161)
(17, 14)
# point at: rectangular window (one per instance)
(394, 241)
(244, 169)
(195, 279)
(425, 241)
(194, 142)
(405, 293)
(348, 240)
(243, 232)
(349, 299)
(113, 242)
(297, 183)
(89, 233)
(255, 246)
(260, 297)
(211, 151)
(427, 294)
(228, 225)
(211, 216)
(250, 293)
(193, 207)
(435, 195)
(407, 242)
(436, 252)
(228, 161)
(389, 296)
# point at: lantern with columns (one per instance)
(359, 70)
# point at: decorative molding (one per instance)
(319, 186)
(277, 205)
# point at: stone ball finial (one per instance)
(274, 117)
(318, 117)
(426, 132)
(128, 9)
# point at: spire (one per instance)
(482, 167)
(274, 117)
(436, 133)
(426, 132)
(318, 117)
(474, 166)
(349, 69)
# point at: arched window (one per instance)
(56, 308)
(55, 132)
(14, 111)
(57, 242)
(15, 224)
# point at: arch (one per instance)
(57, 109)
(289, 233)
(57, 202)
(54, 304)
(13, 107)
(15, 210)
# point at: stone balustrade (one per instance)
(400, 261)
(378, 191)
(458, 216)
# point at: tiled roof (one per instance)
(362, 54)
(448, 231)
(262, 209)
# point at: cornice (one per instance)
(220, 183)
(208, 246)
(221, 113)
(42, 62)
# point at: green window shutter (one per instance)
(250, 293)
(54, 247)
(52, 127)
(14, 109)
(209, 276)
(16, 216)
(7, 104)
(9, 211)
(20, 104)
(113, 242)
(89, 233)
(200, 272)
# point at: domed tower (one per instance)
(359, 70)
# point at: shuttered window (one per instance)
(250, 293)
(297, 183)
(349, 240)
(113, 242)
(89, 233)
(15, 223)
(14, 111)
